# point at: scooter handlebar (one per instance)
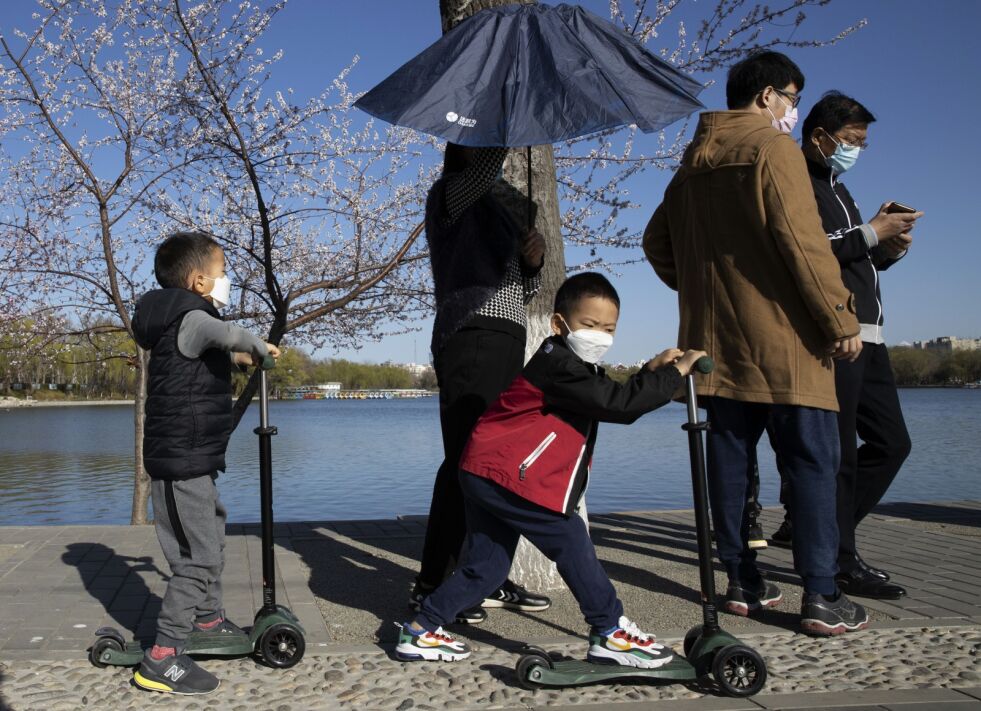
(704, 365)
(268, 362)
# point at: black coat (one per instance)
(188, 405)
(860, 265)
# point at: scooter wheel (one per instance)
(690, 638)
(528, 668)
(102, 645)
(282, 646)
(739, 670)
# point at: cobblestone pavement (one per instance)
(802, 670)
(348, 582)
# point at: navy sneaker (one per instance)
(826, 617)
(176, 674)
(515, 597)
(471, 616)
(744, 601)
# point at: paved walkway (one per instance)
(347, 581)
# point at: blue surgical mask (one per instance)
(843, 158)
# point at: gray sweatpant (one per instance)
(190, 522)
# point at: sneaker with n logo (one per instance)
(423, 645)
(514, 597)
(174, 674)
(625, 644)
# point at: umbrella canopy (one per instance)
(524, 75)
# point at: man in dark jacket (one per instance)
(525, 468)
(188, 423)
(834, 134)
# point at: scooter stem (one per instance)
(695, 428)
(265, 433)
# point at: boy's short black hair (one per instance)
(179, 255)
(581, 285)
(833, 111)
(758, 71)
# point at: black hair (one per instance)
(179, 255)
(454, 159)
(758, 71)
(833, 111)
(581, 285)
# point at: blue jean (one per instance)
(496, 518)
(806, 442)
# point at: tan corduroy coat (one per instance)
(739, 238)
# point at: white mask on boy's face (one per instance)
(588, 344)
(221, 292)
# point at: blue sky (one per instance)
(916, 69)
(915, 65)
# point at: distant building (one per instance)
(415, 369)
(949, 343)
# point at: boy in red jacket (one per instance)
(524, 470)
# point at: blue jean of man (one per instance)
(806, 440)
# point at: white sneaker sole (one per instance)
(415, 654)
(625, 659)
(823, 629)
(743, 609)
(488, 602)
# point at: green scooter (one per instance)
(276, 636)
(737, 669)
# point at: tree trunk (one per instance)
(141, 482)
(530, 567)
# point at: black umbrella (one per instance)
(524, 75)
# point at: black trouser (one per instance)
(869, 410)
(473, 368)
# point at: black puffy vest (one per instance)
(188, 405)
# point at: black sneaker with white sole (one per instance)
(515, 597)
(744, 601)
(826, 617)
(471, 616)
(176, 674)
(755, 538)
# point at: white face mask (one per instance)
(221, 291)
(588, 344)
(789, 120)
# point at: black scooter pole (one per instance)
(699, 488)
(265, 432)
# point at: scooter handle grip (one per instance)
(704, 365)
(268, 362)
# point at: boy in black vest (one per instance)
(188, 423)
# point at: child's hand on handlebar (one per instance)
(668, 357)
(271, 349)
(686, 362)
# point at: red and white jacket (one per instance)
(537, 440)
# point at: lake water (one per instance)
(377, 459)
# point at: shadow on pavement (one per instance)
(932, 513)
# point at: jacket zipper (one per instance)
(530, 459)
(875, 272)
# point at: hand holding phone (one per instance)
(894, 207)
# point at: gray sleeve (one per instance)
(199, 332)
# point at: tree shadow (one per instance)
(114, 581)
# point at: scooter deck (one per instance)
(132, 654)
(576, 672)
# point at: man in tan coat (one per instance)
(739, 237)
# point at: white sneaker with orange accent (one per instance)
(628, 646)
(423, 645)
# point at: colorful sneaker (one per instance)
(745, 601)
(784, 536)
(175, 674)
(627, 645)
(824, 617)
(471, 616)
(515, 597)
(755, 538)
(428, 646)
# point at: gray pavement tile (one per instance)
(831, 699)
(973, 691)
(967, 705)
(708, 703)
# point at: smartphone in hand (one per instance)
(899, 207)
